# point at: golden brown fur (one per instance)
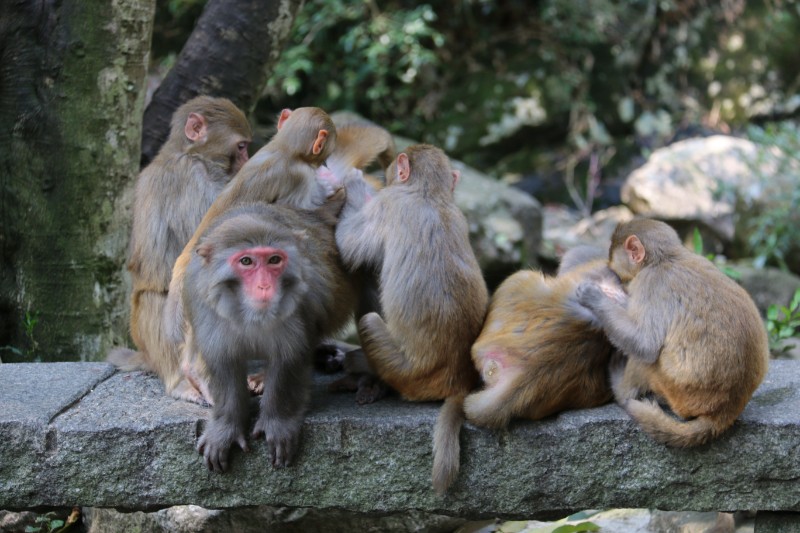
(539, 352)
(691, 335)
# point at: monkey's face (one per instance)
(259, 270)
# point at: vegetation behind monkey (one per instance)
(691, 335)
(207, 145)
(432, 294)
(264, 282)
(540, 351)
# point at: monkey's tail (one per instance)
(446, 446)
(128, 360)
(674, 432)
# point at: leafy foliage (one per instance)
(774, 232)
(783, 323)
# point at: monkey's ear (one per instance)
(456, 178)
(403, 167)
(319, 142)
(635, 249)
(283, 117)
(204, 251)
(196, 128)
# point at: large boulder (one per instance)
(718, 183)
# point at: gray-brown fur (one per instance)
(314, 300)
(691, 335)
(172, 194)
(432, 293)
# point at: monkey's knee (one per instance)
(488, 408)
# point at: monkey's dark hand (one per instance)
(282, 436)
(215, 444)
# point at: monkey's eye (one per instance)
(274, 260)
(246, 261)
(242, 146)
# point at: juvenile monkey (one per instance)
(432, 293)
(282, 172)
(691, 335)
(206, 147)
(540, 351)
(264, 282)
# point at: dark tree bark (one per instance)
(231, 52)
(72, 76)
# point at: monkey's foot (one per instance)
(370, 389)
(187, 392)
(328, 357)
(215, 444)
(347, 383)
(282, 437)
(255, 383)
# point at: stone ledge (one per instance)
(81, 434)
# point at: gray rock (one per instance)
(565, 229)
(707, 180)
(124, 444)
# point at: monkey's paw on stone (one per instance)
(281, 436)
(215, 444)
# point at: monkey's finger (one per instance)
(242, 442)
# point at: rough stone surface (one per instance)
(119, 442)
(704, 180)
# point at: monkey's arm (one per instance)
(360, 229)
(283, 405)
(227, 380)
(630, 332)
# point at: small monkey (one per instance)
(282, 172)
(264, 282)
(690, 334)
(540, 351)
(433, 297)
(207, 145)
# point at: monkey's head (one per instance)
(215, 130)
(641, 243)
(246, 269)
(308, 132)
(432, 173)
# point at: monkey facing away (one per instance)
(264, 282)
(207, 145)
(690, 334)
(284, 171)
(433, 297)
(540, 351)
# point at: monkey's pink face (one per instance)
(260, 269)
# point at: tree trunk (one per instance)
(71, 97)
(231, 52)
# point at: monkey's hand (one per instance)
(359, 192)
(282, 436)
(216, 441)
(589, 294)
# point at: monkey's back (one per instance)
(716, 346)
(557, 359)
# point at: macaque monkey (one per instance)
(206, 147)
(540, 351)
(264, 282)
(690, 334)
(282, 172)
(359, 144)
(433, 297)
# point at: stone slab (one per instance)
(124, 444)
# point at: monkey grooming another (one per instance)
(691, 335)
(284, 171)
(540, 351)
(264, 282)
(432, 293)
(207, 145)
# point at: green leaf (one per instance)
(697, 242)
